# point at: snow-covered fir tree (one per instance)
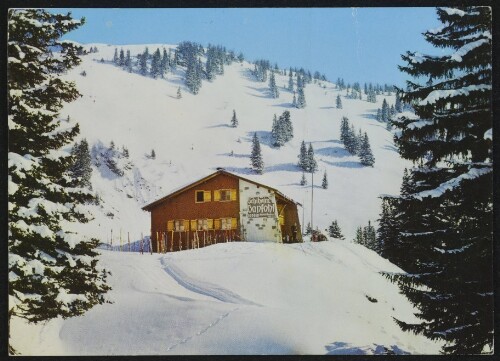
(447, 221)
(359, 239)
(52, 271)
(303, 156)
(155, 70)
(121, 61)
(344, 129)
(143, 62)
(365, 152)
(301, 98)
(324, 182)
(312, 165)
(334, 230)
(294, 101)
(385, 113)
(153, 154)
(234, 120)
(282, 129)
(179, 94)
(128, 62)
(256, 156)
(339, 102)
(115, 57)
(290, 81)
(371, 97)
(273, 89)
(370, 237)
(81, 167)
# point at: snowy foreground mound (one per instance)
(238, 298)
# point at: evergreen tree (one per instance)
(312, 165)
(344, 131)
(303, 157)
(155, 70)
(301, 98)
(449, 269)
(365, 153)
(379, 115)
(359, 239)
(115, 57)
(294, 101)
(334, 230)
(339, 102)
(290, 81)
(143, 62)
(308, 229)
(81, 168)
(121, 60)
(385, 111)
(303, 180)
(370, 237)
(179, 94)
(153, 154)
(52, 271)
(234, 120)
(164, 63)
(256, 156)
(272, 86)
(128, 62)
(324, 183)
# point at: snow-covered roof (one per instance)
(152, 205)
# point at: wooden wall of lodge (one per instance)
(184, 207)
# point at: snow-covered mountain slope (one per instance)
(238, 298)
(191, 137)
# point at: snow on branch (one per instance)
(453, 183)
(443, 94)
(457, 56)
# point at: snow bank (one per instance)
(238, 298)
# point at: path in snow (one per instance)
(203, 288)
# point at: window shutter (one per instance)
(216, 195)
(282, 220)
(193, 225)
(210, 223)
(170, 225)
(217, 223)
(234, 223)
(207, 196)
(186, 224)
(234, 194)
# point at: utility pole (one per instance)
(312, 200)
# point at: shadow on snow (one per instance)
(344, 348)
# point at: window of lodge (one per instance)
(202, 224)
(225, 195)
(203, 196)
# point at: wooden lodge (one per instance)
(222, 207)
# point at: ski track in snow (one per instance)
(204, 288)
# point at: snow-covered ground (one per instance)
(238, 298)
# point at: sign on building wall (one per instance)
(261, 207)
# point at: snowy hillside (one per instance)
(235, 298)
(239, 298)
(191, 137)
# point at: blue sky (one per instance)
(358, 44)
